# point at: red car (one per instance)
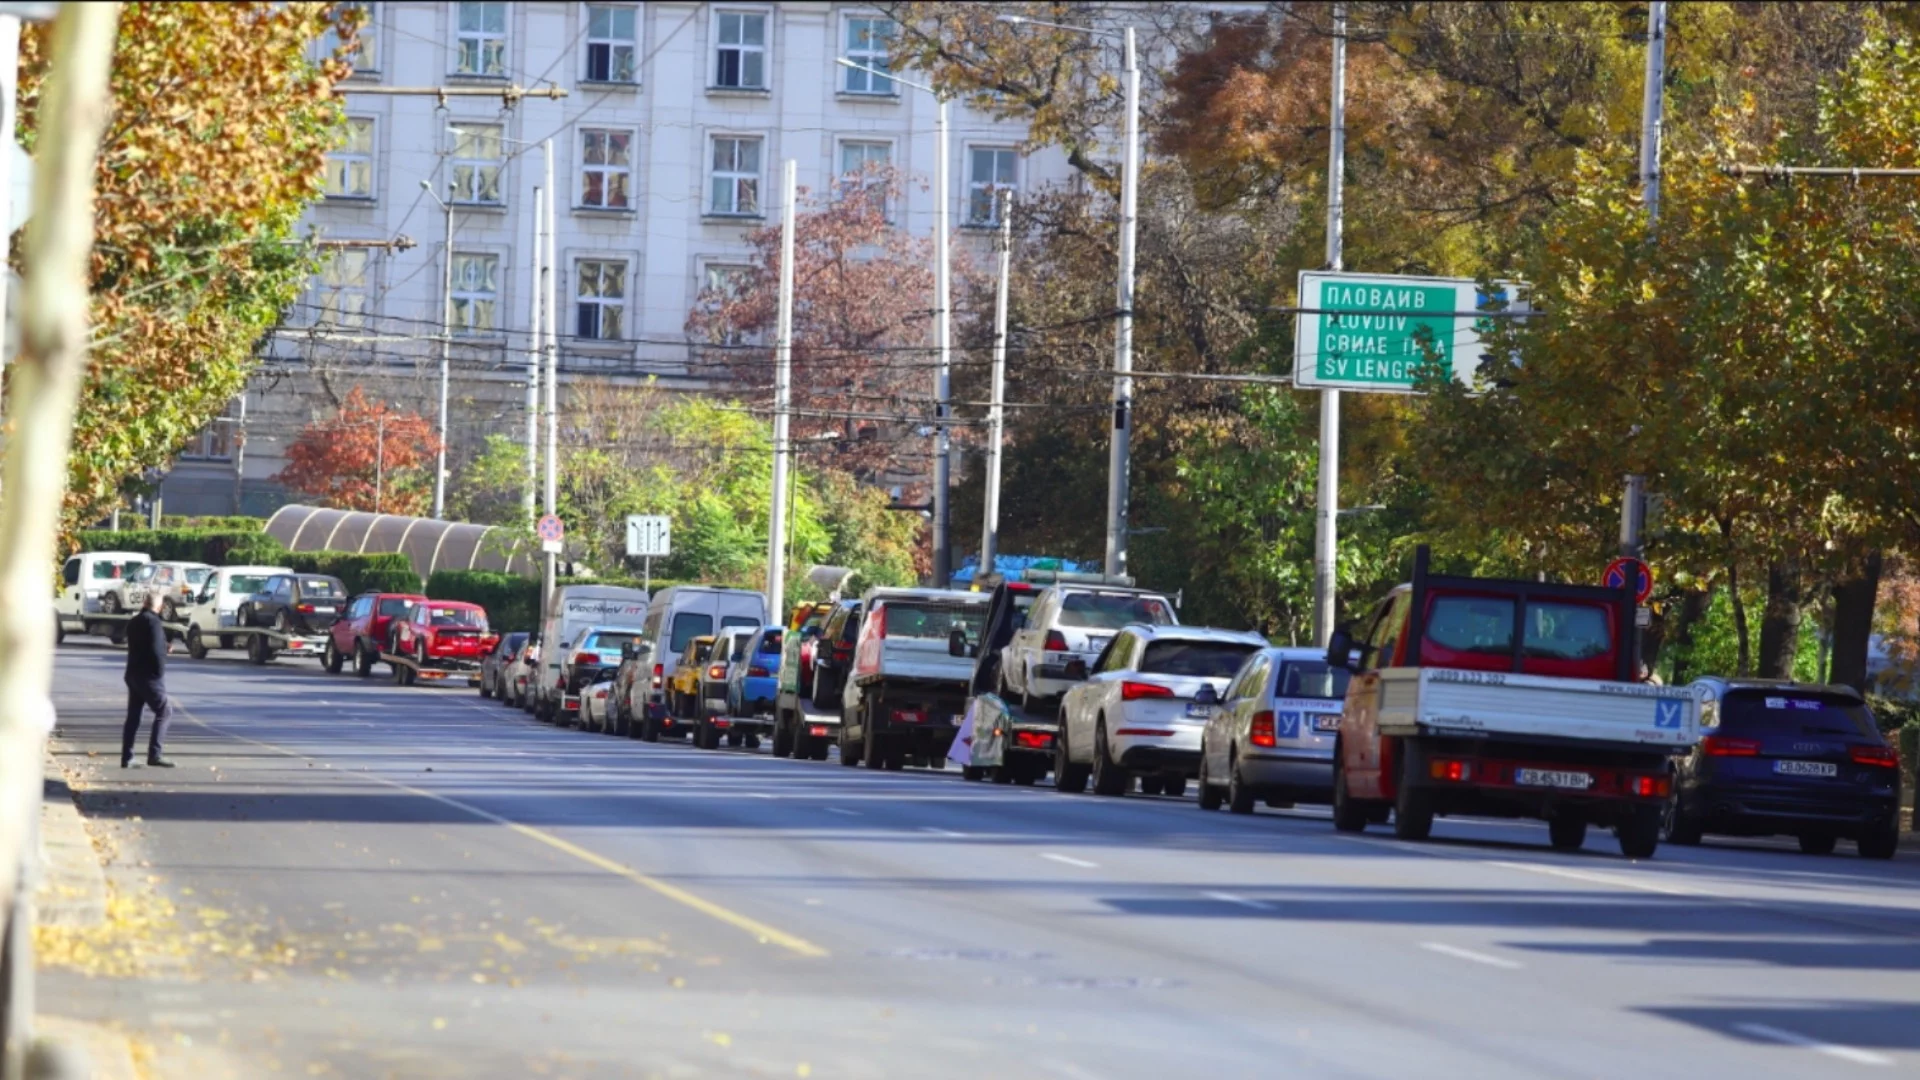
(442, 633)
(365, 629)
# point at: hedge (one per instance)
(512, 602)
(180, 545)
(391, 572)
(226, 524)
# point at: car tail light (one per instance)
(1726, 746)
(758, 672)
(879, 620)
(909, 716)
(560, 683)
(1033, 740)
(719, 723)
(1260, 729)
(657, 670)
(305, 609)
(1056, 642)
(1134, 691)
(1651, 787)
(585, 659)
(1883, 756)
(817, 731)
(1450, 769)
(717, 671)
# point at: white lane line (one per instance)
(1229, 898)
(1789, 1038)
(1468, 954)
(1069, 860)
(1598, 879)
(949, 833)
(1071, 1071)
(843, 813)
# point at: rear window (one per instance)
(391, 607)
(1555, 629)
(1199, 659)
(457, 616)
(1111, 611)
(199, 576)
(932, 621)
(608, 642)
(1475, 624)
(688, 625)
(246, 583)
(1312, 679)
(736, 622)
(319, 586)
(1780, 712)
(700, 653)
(113, 571)
(771, 643)
(1558, 630)
(512, 642)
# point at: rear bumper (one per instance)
(1746, 811)
(1305, 775)
(758, 691)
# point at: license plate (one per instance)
(1194, 708)
(1806, 768)
(1577, 781)
(318, 610)
(1330, 722)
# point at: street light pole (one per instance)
(533, 367)
(446, 366)
(942, 378)
(1326, 532)
(782, 388)
(1119, 462)
(996, 416)
(550, 327)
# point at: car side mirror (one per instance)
(957, 642)
(1076, 670)
(1207, 696)
(1340, 648)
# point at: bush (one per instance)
(1908, 740)
(392, 572)
(184, 545)
(512, 602)
(225, 524)
(1893, 714)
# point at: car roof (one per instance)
(1095, 587)
(1196, 633)
(267, 571)
(188, 563)
(1294, 652)
(115, 555)
(403, 596)
(963, 595)
(470, 605)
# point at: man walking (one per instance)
(147, 647)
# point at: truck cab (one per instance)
(1508, 699)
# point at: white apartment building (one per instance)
(667, 152)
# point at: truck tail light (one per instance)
(1260, 729)
(1882, 756)
(1651, 787)
(1056, 642)
(1725, 746)
(1134, 691)
(1450, 769)
(758, 672)
(658, 669)
(817, 731)
(1033, 740)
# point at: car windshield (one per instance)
(688, 625)
(1312, 679)
(246, 583)
(932, 621)
(198, 575)
(608, 642)
(1198, 659)
(145, 572)
(1111, 611)
(319, 587)
(113, 571)
(699, 654)
(1793, 712)
(457, 616)
(392, 606)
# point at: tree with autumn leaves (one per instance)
(367, 456)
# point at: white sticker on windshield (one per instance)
(1776, 703)
(1803, 703)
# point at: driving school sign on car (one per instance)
(1373, 331)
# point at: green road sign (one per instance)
(1375, 331)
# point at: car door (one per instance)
(1226, 730)
(1360, 719)
(1083, 702)
(70, 602)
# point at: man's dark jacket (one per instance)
(146, 648)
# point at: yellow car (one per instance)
(683, 687)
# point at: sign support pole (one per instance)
(782, 391)
(1325, 536)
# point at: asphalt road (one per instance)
(370, 881)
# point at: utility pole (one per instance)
(533, 367)
(782, 402)
(996, 418)
(240, 456)
(942, 378)
(1652, 105)
(446, 367)
(1326, 532)
(548, 269)
(1119, 457)
(379, 458)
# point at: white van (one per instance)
(86, 578)
(680, 613)
(577, 608)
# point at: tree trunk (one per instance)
(1693, 606)
(1780, 622)
(1744, 666)
(1853, 601)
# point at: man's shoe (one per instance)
(129, 763)
(159, 762)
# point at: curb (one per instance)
(76, 1050)
(72, 889)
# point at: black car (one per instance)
(1792, 759)
(301, 604)
(493, 669)
(833, 655)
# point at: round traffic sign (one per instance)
(550, 528)
(1624, 569)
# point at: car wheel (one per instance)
(1209, 795)
(283, 623)
(114, 606)
(1412, 805)
(849, 751)
(1680, 826)
(1239, 795)
(1818, 845)
(363, 658)
(1152, 785)
(1348, 815)
(1174, 787)
(486, 686)
(1882, 842)
(1639, 835)
(1000, 775)
(1108, 778)
(1567, 832)
(782, 738)
(972, 772)
(1068, 776)
(333, 661)
(169, 612)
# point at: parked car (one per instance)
(522, 672)
(442, 634)
(683, 685)
(599, 648)
(1784, 758)
(177, 582)
(833, 655)
(906, 692)
(1271, 735)
(494, 668)
(595, 700)
(215, 611)
(816, 616)
(797, 730)
(573, 610)
(84, 582)
(1072, 621)
(678, 614)
(366, 629)
(631, 683)
(715, 717)
(1138, 711)
(304, 605)
(752, 678)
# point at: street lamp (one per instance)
(942, 331)
(1117, 460)
(446, 336)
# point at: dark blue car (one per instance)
(1788, 759)
(753, 678)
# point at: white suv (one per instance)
(1136, 713)
(178, 582)
(1070, 622)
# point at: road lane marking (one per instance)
(761, 931)
(843, 813)
(1468, 954)
(1598, 879)
(1071, 1071)
(1789, 1038)
(948, 833)
(1069, 860)
(1246, 902)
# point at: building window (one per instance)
(606, 169)
(867, 39)
(215, 441)
(482, 39)
(600, 307)
(611, 43)
(860, 166)
(342, 296)
(366, 52)
(478, 155)
(350, 164)
(725, 283)
(736, 176)
(989, 172)
(741, 38)
(476, 292)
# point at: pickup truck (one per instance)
(800, 729)
(906, 691)
(1508, 699)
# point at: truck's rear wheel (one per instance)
(1412, 804)
(1567, 831)
(196, 645)
(1640, 834)
(782, 737)
(1348, 815)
